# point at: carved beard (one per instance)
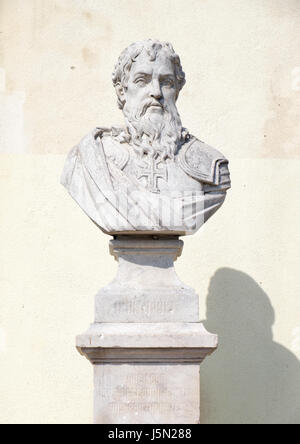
(154, 133)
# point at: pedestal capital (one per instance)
(151, 343)
(145, 246)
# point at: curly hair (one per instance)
(129, 55)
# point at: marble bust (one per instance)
(150, 176)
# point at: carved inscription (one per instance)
(137, 307)
(145, 392)
(152, 408)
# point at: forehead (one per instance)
(162, 65)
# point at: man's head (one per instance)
(148, 78)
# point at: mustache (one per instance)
(150, 135)
(147, 104)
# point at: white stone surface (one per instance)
(121, 304)
(150, 175)
(146, 287)
(146, 184)
(147, 394)
(146, 364)
(147, 335)
(147, 373)
(68, 262)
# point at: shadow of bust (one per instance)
(250, 379)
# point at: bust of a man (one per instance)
(151, 176)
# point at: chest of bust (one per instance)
(152, 173)
(161, 176)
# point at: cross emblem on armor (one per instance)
(153, 171)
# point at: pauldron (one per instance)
(204, 163)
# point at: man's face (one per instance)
(151, 86)
(150, 110)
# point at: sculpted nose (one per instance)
(155, 90)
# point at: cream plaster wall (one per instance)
(242, 95)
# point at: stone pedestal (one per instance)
(146, 344)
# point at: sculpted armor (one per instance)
(150, 175)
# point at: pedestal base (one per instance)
(146, 344)
(147, 373)
(147, 394)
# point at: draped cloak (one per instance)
(119, 204)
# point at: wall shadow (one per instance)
(250, 379)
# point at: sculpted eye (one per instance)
(141, 81)
(168, 82)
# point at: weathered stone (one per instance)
(147, 337)
(147, 394)
(147, 184)
(165, 388)
(151, 176)
(146, 287)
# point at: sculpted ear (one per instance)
(120, 92)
